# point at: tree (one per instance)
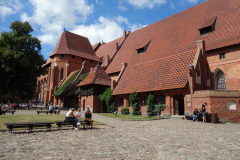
(150, 104)
(159, 108)
(133, 98)
(20, 60)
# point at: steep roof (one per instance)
(165, 73)
(97, 76)
(179, 33)
(47, 62)
(96, 46)
(73, 44)
(108, 49)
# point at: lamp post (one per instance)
(115, 113)
(148, 114)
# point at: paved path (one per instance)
(159, 139)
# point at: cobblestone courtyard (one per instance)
(159, 139)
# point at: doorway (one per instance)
(179, 104)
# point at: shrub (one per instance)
(150, 105)
(125, 111)
(108, 98)
(159, 108)
(133, 98)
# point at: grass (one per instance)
(130, 117)
(32, 118)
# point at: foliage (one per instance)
(108, 98)
(150, 105)
(133, 98)
(159, 108)
(20, 60)
(125, 111)
(130, 117)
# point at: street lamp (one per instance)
(148, 114)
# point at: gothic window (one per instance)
(222, 56)
(61, 74)
(160, 99)
(220, 81)
(144, 101)
(120, 102)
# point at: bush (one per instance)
(150, 105)
(133, 98)
(125, 111)
(108, 98)
(159, 108)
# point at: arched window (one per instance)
(220, 80)
(160, 99)
(120, 102)
(61, 74)
(144, 101)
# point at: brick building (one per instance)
(186, 59)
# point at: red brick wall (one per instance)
(95, 105)
(230, 65)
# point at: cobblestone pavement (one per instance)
(160, 139)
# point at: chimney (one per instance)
(124, 65)
(116, 46)
(125, 34)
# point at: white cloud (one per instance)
(122, 8)
(121, 19)
(8, 7)
(135, 27)
(191, 1)
(172, 5)
(146, 3)
(52, 15)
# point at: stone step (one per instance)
(178, 116)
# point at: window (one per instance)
(160, 99)
(83, 59)
(231, 105)
(73, 57)
(61, 74)
(144, 101)
(91, 61)
(143, 49)
(120, 102)
(208, 26)
(222, 56)
(220, 80)
(62, 55)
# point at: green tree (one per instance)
(20, 60)
(159, 108)
(108, 98)
(150, 104)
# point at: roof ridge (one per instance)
(162, 58)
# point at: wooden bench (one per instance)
(208, 118)
(38, 112)
(29, 125)
(62, 123)
(4, 112)
(38, 108)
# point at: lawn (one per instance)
(130, 117)
(32, 118)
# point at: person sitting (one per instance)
(71, 118)
(88, 118)
(78, 115)
(57, 110)
(50, 108)
(195, 115)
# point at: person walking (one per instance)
(204, 112)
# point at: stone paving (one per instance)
(160, 139)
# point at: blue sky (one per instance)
(98, 20)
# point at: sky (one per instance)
(98, 20)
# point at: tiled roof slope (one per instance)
(96, 46)
(165, 73)
(73, 44)
(47, 62)
(108, 49)
(179, 33)
(97, 76)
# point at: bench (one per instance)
(29, 125)
(4, 112)
(38, 112)
(62, 123)
(208, 117)
(37, 108)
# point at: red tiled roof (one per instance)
(165, 73)
(47, 62)
(95, 46)
(108, 49)
(73, 44)
(209, 22)
(179, 33)
(97, 76)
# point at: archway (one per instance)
(179, 104)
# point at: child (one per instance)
(78, 115)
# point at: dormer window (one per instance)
(62, 55)
(143, 49)
(208, 26)
(222, 56)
